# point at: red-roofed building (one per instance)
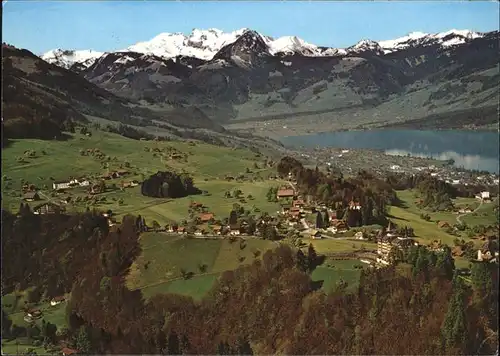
(298, 203)
(285, 193)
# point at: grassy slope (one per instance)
(167, 254)
(427, 231)
(205, 162)
(337, 270)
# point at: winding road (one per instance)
(461, 215)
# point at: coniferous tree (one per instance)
(312, 258)
(454, 329)
(302, 261)
(319, 220)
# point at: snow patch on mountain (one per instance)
(445, 39)
(292, 45)
(66, 58)
(203, 44)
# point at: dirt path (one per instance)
(459, 221)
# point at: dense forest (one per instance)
(372, 194)
(169, 185)
(419, 306)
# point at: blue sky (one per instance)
(104, 26)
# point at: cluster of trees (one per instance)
(401, 181)
(169, 185)
(338, 192)
(271, 194)
(271, 306)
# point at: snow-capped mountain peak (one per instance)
(66, 58)
(444, 39)
(292, 44)
(205, 44)
(202, 44)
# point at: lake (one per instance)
(469, 149)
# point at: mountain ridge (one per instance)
(204, 44)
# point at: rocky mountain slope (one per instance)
(40, 100)
(245, 76)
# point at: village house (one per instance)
(299, 203)
(286, 208)
(234, 230)
(435, 246)
(285, 193)
(60, 185)
(359, 235)
(315, 234)
(488, 252)
(129, 184)
(217, 229)
(34, 313)
(31, 196)
(354, 205)
(332, 229)
(198, 233)
(206, 217)
(57, 300)
(122, 172)
(181, 230)
(124, 184)
(95, 189)
(169, 228)
(483, 196)
(443, 225)
(340, 225)
(195, 205)
(47, 208)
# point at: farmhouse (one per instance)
(31, 196)
(57, 300)
(443, 225)
(299, 203)
(315, 234)
(484, 196)
(285, 193)
(206, 217)
(34, 313)
(60, 185)
(217, 229)
(47, 208)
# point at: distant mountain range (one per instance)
(244, 77)
(204, 44)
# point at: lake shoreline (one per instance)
(469, 150)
